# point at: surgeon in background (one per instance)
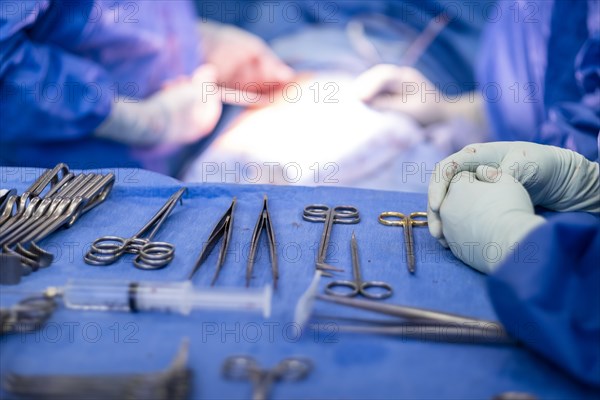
(545, 275)
(117, 84)
(537, 75)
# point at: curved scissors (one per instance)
(150, 255)
(393, 218)
(358, 286)
(246, 368)
(330, 216)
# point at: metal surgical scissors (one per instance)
(330, 216)
(246, 368)
(151, 255)
(392, 218)
(358, 286)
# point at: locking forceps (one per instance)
(329, 216)
(393, 218)
(246, 368)
(150, 255)
(223, 228)
(14, 206)
(263, 223)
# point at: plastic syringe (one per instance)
(178, 297)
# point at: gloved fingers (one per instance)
(284, 73)
(482, 220)
(191, 108)
(487, 173)
(245, 61)
(376, 81)
(206, 115)
(456, 191)
(434, 223)
(455, 195)
(525, 164)
(468, 159)
(206, 110)
(444, 242)
(273, 69)
(181, 79)
(192, 121)
(205, 73)
(513, 167)
(259, 73)
(461, 182)
(389, 102)
(267, 73)
(399, 82)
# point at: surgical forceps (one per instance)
(40, 211)
(52, 178)
(358, 286)
(66, 200)
(407, 321)
(392, 218)
(223, 228)
(5, 195)
(150, 255)
(246, 368)
(330, 216)
(453, 327)
(263, 223)
(61, 210)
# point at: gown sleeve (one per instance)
(547, 293)
(47, 93)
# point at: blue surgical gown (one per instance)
(542, 60)
(547, 292)
(64, 63)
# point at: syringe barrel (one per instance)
(240, 299)
(97, 295)
(180, 297)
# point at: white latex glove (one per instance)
(387, 87)
(180, 113)
(242, 58)
(555, 178)
(484, 222)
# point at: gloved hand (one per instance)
(484, 222)
(555, 178)
(181, 113)
(388, 87)
(242, 58)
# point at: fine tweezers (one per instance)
(263, 224)
(223, 229)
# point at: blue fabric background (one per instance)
(346, 365)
